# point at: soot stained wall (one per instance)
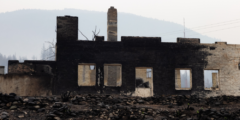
(26, 85)
(131, 52)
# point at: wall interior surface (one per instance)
(26, 85)
(112, 75)
(86, 75)
(144, 82)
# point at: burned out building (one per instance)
(137, 66)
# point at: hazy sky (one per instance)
(223, 14)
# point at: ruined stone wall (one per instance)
(26, 85)
(225, 58)
(133, 52)
(19, 68)
(31, 67)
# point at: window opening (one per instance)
(86, 75)
(112, 75)
(183, 79)
(210, 79)
(144, 82)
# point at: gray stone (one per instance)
(4, 113)
(21, 116)
(57, 118)
(183, 115)
(3, 117)
(25, 100)
(57, 104)
(111, 115)
(15, 103)
(36, 106)
(13, 107)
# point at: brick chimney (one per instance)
(67, 28)
(112, 24)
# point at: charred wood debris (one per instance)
(74, 106)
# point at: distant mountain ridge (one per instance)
(23, 32)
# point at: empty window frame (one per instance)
(183, 79)
(144, 82)
(86, 75)
(112, 75)
(211, 79)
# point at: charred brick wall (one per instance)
(131, 52)
(67, 28)
(188, 40)
(112, 24)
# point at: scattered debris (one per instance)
(177, 107)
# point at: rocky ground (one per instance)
(72, 106)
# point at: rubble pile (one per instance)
(116, 107)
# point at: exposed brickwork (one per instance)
(112, 24)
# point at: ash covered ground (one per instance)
(73, 106)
